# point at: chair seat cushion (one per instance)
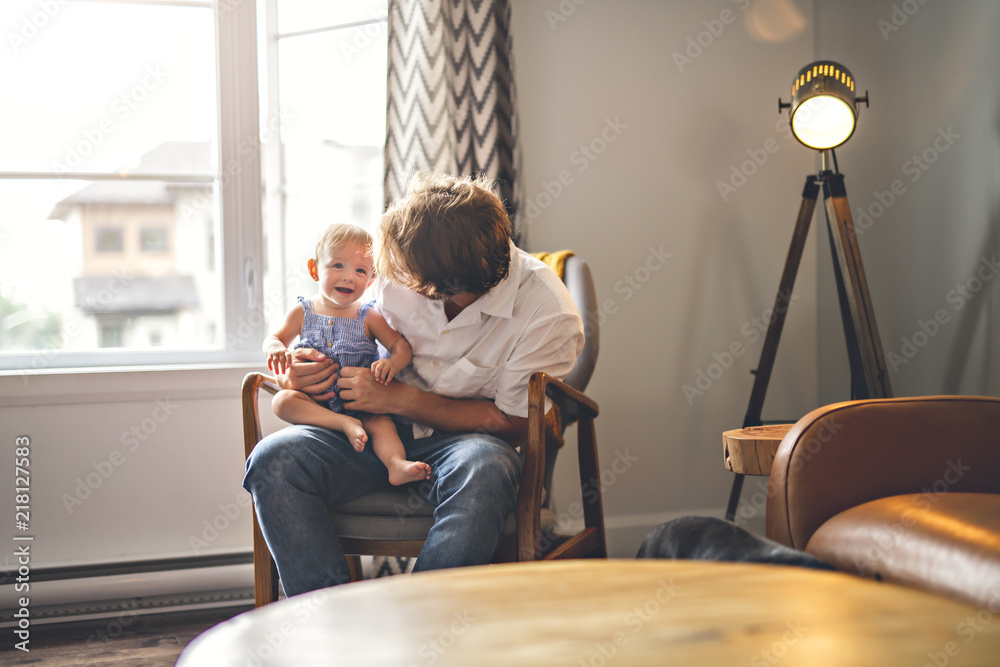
(944, 543)
(400, 514)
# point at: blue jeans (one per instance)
(294, 475)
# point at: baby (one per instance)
(344, 330)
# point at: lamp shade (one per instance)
(823, 112)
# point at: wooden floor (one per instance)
(147, 641)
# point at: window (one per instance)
(101, 167)
(327, 68)
(176, 169)
(153, 240)
(112, 334)
(109, 239)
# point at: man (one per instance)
(481, 317)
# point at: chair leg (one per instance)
(354, 563)
(265, 572)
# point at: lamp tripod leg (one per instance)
(869, 377)
(762, 374)
(734, 496)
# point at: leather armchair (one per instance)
(905, 490)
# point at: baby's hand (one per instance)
(383, 371)
(279, 361)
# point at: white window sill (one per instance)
(123, 383)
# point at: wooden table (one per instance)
(619, 613)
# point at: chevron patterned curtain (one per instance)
(450, 104)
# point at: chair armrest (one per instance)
(846, 454)
(252, 383)
(529, 496)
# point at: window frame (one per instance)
(239, 211)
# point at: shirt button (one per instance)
(329, 322)
(437, 362)
(446, 332)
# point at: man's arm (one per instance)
(442, 414)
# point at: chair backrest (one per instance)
(580, 284)
(843, 455)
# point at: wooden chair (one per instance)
(391, 523)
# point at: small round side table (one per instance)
(750, 451)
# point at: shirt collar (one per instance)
(499, 301)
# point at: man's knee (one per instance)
(492, 451)
(270, 459)
(489, 458)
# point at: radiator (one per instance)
(130, 594)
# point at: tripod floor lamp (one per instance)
(823, 114)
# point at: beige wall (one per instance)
(691, 91)
(670, 123)
(932, 134)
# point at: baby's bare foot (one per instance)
(404, 472)
(356, 434)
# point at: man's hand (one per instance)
(364, 392)
(311, 372)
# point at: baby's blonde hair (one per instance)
(339, 234)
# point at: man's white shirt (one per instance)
(526, 323)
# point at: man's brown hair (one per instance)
(448, 234)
